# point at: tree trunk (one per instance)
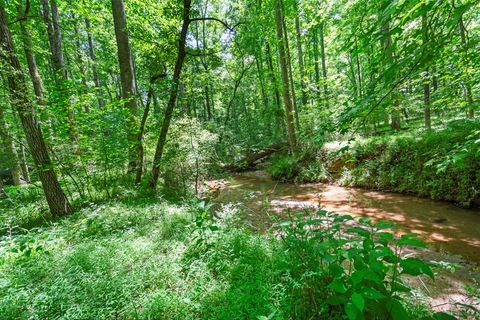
(141, 151)
(24, 164)
(315, 60)
(285, 79)
(300, 58)
(324, 65)
(93, 60)
(273, 79)
(54, 31)
(31, 61)
(395, 113)
(468, 87)
(56, 199)
(80, 62)
(173, 95)
(127, 79)
(426, 78)
(10, 149)
(290, 71)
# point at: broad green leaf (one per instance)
(351, 311)
(358, 301)
(338, 286)
(396, 310)
(443, 316)
(415, 267)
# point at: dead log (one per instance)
(251, 160)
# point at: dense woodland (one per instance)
(114, 115)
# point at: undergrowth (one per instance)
(158, 260)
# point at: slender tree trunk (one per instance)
(24, 164)
(426, 77)
(285, 79)
(81, 63)
(290, 71)
(232, 100)
(324, 64)
(127, 79)
(54, 31)
(150, 96)
(261, 80)
(10, 149)
(395, 113)
(359, 73)
(468, 87)
(31, 61)
(300, 57)
(273, 78)
(93, 60)
(173, 94)
(316, 60)
(56, 199)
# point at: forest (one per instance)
(248, 159)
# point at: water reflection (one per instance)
(441, 224)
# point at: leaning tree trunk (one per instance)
(127, 79)
(56, 199)
(285, 78)
(173, 95)
(146, 111)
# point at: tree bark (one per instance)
(93, 60)
(141, 151)
(316, 58)
(395, 113)
(300, 58)
(426, 77)
(127, 79)
(290, 70)
(276, 92)
(31, 61)
(54, 31)
(285, 78)
(10, 149)
(173, 95)
(468, 87)
(56, 199)
(324, 64)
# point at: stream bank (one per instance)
(438, 165)
(451, 232)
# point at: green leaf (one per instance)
(415, 267)
(360, 231)
(338, 286)
(358, 301)
(411, 239)
(396, 310)
(372, 294)
(352, 311)
(443, 316)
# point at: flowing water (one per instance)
(446, 227)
